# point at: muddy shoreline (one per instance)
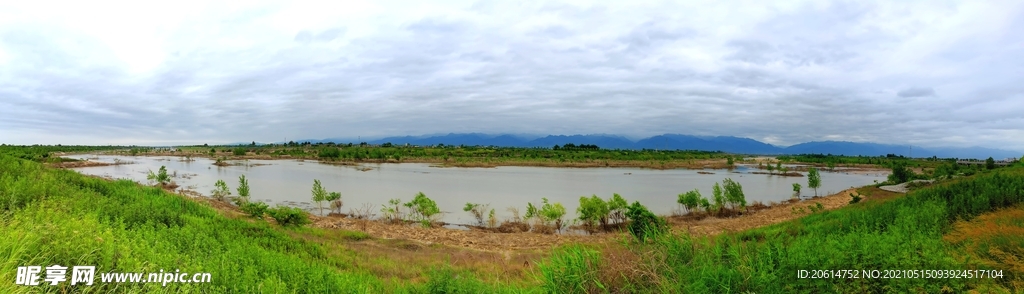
(492, 241)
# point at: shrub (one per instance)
(704, 204)
(690, 200)
(239, 151)
(477, 210)
(288, 216)
(593, 211)
(796, 190)
(643, 223)
(617, 208)
(734, 194)
(424, 208)
(334, 198)
(329, 153)
(160, 177)
(221, 190)
(531, 211)
(254, 209)
(900, 173)
(719, 197)
(392, 211)
(854, 198)
(243, 189)
(552, 213)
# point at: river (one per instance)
(289, 182)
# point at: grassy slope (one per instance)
(60, 217)
(900, 233)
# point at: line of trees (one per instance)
(727, 196)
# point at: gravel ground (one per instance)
(901, 188)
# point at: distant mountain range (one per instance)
(687, 142)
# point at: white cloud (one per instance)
(918, 72)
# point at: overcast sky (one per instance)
(929, 73)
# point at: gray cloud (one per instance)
(916, 92)
(784, 74)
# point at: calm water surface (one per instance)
(289, 182)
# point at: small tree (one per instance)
(160, 177)
(900, 173)
(690, 200)
(734, 194)
(617, 208)
(771, 169)
(729, 161)
(704, 204)
(796, 190)
(552, 212)
(334, 198)
(477, 210)
(719, 197)
(814, 180)
(778, 166)
(319, 195)
(243, 189)
(221, 190)
(392, 211)
(990, 163)
(593, 211)
(831, 165)
(424, 208)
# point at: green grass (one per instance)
(904, 233)
(54, 216)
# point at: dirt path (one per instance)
(902, 188)
(771, 215)
(475, 239)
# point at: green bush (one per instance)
(239, 151)
(254, 209)
(854, 198)
(900, 173)
(221, 191)
(552, 213)
(160, 177)
(734, 194)
(424, 208)
(289, 216)
(329, 153)
(617, 208)
(243, 189)
(643, 223)
(593, 211)
(690, 200)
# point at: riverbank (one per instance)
(486, 240)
